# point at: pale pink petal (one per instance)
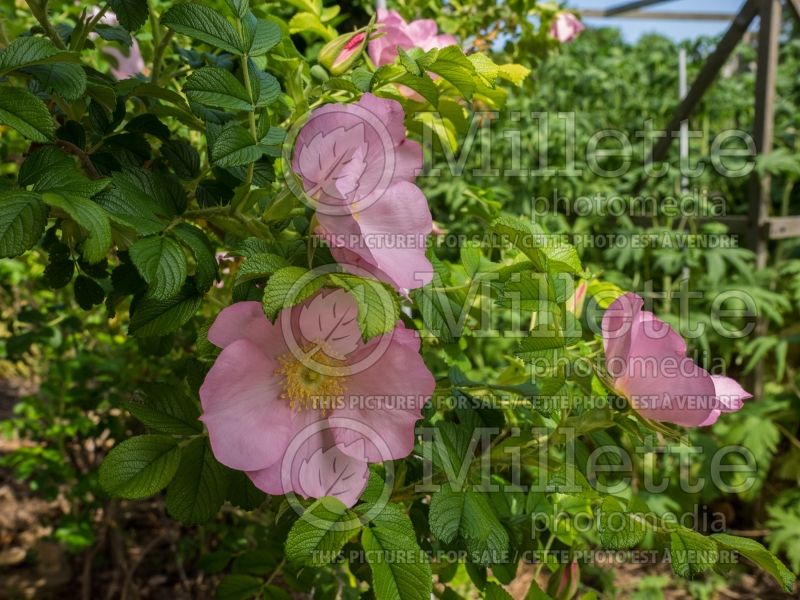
(393, 235)
(248, 423)
(422, 31)
(387, 397)
(330, 319)
(668, 388)
(332, 472)
(730, 394)
(243, 320)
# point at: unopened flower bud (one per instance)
(339, 55)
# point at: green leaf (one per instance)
(469, 514)
(204, 24)
(23, 217)
(26, 113)
(161, 263)
(205, 271)
(547, 252)
(68, 81)
(762, 557)
(390, 536)
(495, 591)
(269, 89)
(262, 36)
(454, 67)
(239, 8)
(91, 217)
(182, 157)
(198, 489)
(282, 290)
(143, 200)
(58, 273)
(321, 532)
(88, 292)
(378, 307)
(131, 14)
(242, 492)
(165, 408)
(217, 87)
(619, 529)
(691, 552)
(153, 317)
(260, 266)
(238, 587)
(234, 146)
(30, 51)
(140, 466)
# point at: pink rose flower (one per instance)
(647, 361)
(303, 405)
(356, 163)
(129, 64)
(422, 33)
(566, 27)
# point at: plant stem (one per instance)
(39, 11)
(158, 55)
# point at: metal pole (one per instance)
(683, 88)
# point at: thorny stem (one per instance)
(158, 55)
(85, 159)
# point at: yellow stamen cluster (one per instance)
(316, 381)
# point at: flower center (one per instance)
(315, 381)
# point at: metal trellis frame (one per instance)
(760, 226)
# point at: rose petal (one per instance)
(248, 423)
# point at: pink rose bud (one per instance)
(566, 27)
(564, 582)
(647, 362)
(340, 54)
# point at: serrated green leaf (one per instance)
(691, 553)
(282, 292)
(131, 14)
(68, 81)
(153, 317)
(204, 257)
(26, 113)
(197, 491)
(261, 36)
(469, 515)
(182, 157)
(203, 23)
(162, 264)
(259, 266)
(619, 529)
(454, 67)
(23, 217)
(384, 541)
(321, 532)
(234, 146)
(378, 307)
(762, 557)
(32, 50)
(217, 87)
(140, 466)
(165, 408)
(91, 217)
(269, 89)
